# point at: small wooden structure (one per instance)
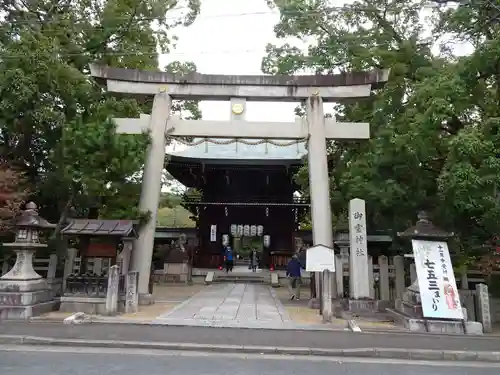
(100, 238)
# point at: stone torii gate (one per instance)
(313, 89)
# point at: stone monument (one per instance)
(360, 299)
(23, 292)
(431, 303)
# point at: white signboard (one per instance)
(320, 258)
(213, 233)
(436, 280)
(267, 240)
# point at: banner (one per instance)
(213, 233)
(436, 280)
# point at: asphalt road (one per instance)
(80, 361)
(234, 336)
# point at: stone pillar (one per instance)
(69, 264)
(132, 297)
(464, 279)
(126, 255)
(326, 297)
(339, 275)
(383, 263)
(112, 292)
(319, 185)
(413, 273)
(371, 278)
(333, 284)
(358, 270)
(52, 268)
(97, 266)
(399, 269)
(483, 307)
(150, 193)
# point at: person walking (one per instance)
(229, 257)
(294, 279)
(254, 260)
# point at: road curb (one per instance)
(387, 353)
(158, 322)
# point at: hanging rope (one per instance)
(239, 140)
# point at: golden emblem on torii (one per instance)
(237, 108)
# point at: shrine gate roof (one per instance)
(90, 227)
(280, 151)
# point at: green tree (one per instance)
(55, 121)
(12, 194)
(171, 213)
(434, 126)
(174, 217)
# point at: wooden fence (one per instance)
(48, 267)
(388, 277)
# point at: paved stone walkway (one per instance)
(230, 305)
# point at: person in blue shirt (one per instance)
(228, 256)
(293, 274)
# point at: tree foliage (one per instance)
(12, 194)
(54, 121)
(171, 213)
(435, 137)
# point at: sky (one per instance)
(224, 39)
(229, 39)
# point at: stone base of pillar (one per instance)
(435, 325)
(146, 299)
(360, 306)
(314, 303)
(23, 299)
(408, 313)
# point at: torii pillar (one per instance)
(164, 87)
(150, 193)
(319, 185)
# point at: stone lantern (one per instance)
(425, 230)
(23, 292)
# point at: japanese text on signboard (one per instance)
(436, 280)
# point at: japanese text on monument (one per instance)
(359, 233)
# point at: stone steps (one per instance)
(247, 278)
(410, 309)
